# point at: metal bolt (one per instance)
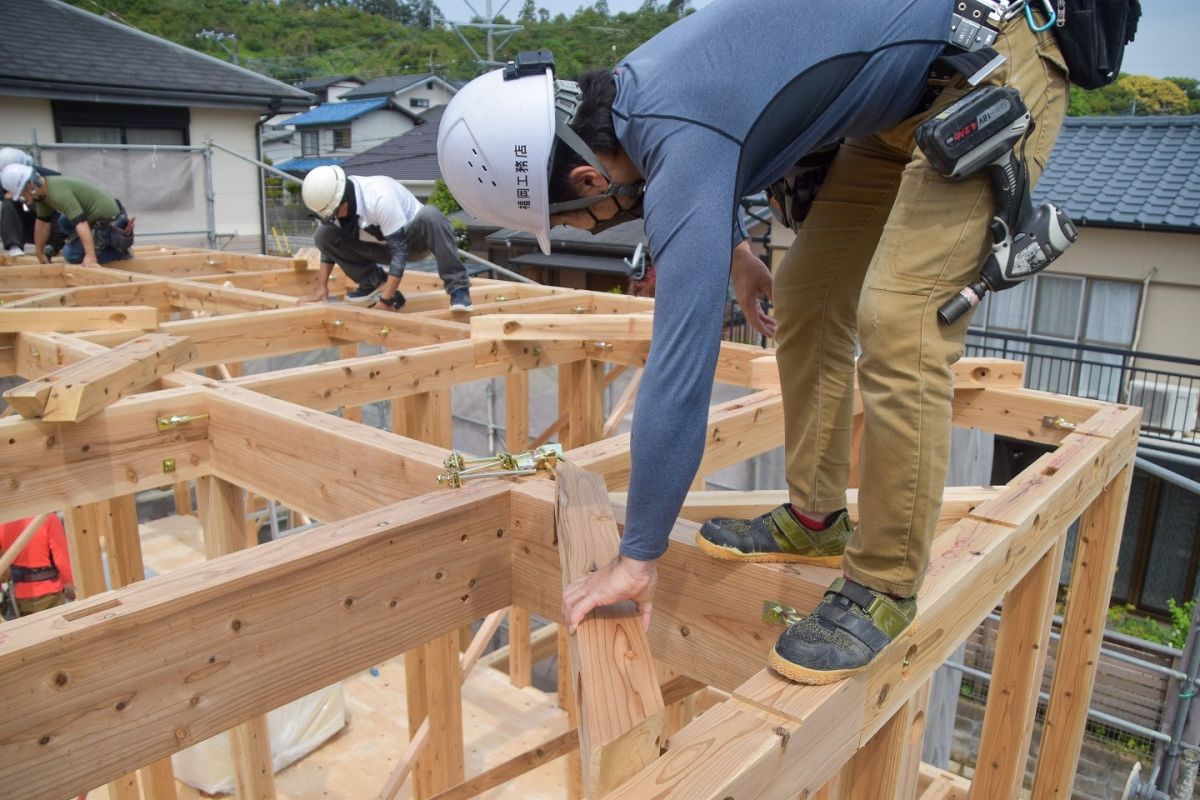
(337, 323)
(383, 332)
(1057, 423)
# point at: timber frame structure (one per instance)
(120, 680)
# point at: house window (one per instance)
(418, 102)
(310, 144)
(341, 138)
(112, 123)
(1074, 311)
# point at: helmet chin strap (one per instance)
(567, 97)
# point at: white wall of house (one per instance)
(439, 95)
(24, 115)
(235, 182)
(163, 189)
(335, 90)
(376, 127)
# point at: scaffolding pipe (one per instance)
(256, 162)
(512, 276)
(1167, 475)
(210, 199)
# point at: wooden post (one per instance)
(612, 674)
(352, 413)
(222, 518)
(183, 498)
(433, 673)
(888, 765)
(1016, 680)
(1092, 574)
(125, 567)
(516, 401)
(566, 701)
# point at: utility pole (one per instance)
(219, 37)
(490, 26)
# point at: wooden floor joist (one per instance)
(118, 681)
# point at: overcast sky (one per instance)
(1165, 45)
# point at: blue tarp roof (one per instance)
(305, 165)
(333, 113)
(1127, 172)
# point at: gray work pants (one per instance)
(366, 262)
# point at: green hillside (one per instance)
(296, 39)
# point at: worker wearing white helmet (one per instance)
(721, 105)
(372, 226)
(16, 221)
(96, 227)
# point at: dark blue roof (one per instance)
(306, 165)
(1127, 172)
(333, 113)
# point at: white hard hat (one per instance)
(323, 190)
(11, 155)
(495, 141)
(13, 178)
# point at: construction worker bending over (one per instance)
(399, 228)
(96, 226)
(720, 105)
(40, 577)
(16, 219)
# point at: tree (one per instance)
(1155, 95)
(528, 15)
(1191, 87)
(543, 15)
(602, 8)
(441, 199)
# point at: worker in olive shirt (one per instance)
(97, 227)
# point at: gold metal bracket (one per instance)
(1057, 423)
(168, 465)
(175, 420)
(779, 614)
(501, 465)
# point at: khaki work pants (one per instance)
(886, 243)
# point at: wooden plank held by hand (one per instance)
(618, 697)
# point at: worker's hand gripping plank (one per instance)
(618, 698)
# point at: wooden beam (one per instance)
(81, 318)
(99, 687)
(737, 430)
(620, 704)
(40, 353)
(1017, 673)
(1020, 413)
(536, 327)
(1092, 574)
(974, 564)
(887, 764)
(225, 299)
(322, 466)
(502, 773)
(78, 391)
(45, 466)
(222, 517)
(541, 646)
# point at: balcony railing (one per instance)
(1166, 387)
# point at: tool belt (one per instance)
(115, 234)
(33, 574)
(791, 197)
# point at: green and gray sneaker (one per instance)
(775, 536)
(851, 626)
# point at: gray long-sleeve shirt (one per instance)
(715, 107)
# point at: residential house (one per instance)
(132, 113)
(410, 158)
(332, 132)
(417, 93)
(278, 139)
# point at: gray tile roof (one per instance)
(106, 61)
(1127, 172)
(389, 84)
(411, 156)
(312, 84)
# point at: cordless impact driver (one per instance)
(982, 130)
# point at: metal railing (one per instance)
(1166, 387)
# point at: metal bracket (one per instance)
(1057, 423)
(175, 420)
(168, 465)
(501, 465)
(779, 614)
